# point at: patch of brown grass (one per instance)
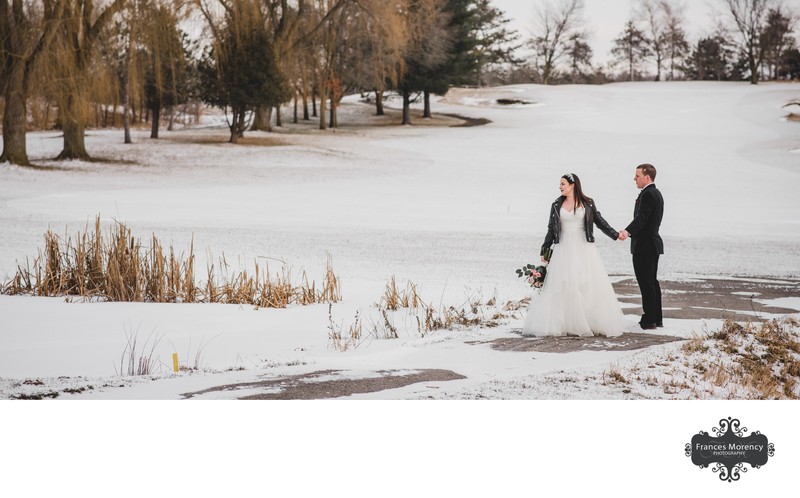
(768, 366)
(116, 266)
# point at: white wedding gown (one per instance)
(577, 297)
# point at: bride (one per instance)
(577, 297)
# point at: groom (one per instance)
(646, 244)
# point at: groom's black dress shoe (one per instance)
(660, 325)
(648, 326)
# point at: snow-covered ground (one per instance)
(453, 210)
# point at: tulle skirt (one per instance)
(577, 297)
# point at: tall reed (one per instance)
(118, 267)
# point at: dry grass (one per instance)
(738, 361)
(139, 359)
(471, 313)
(118, 267)
(614, 376)
(760, 360)
(341, 340)
(394, 299)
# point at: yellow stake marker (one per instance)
(175, 361)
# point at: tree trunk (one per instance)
(427, 97)
(751, 59)
(74, 145)
(322, 107)
(15, 119)
(278, 119)
(379, 103)
(630, 61)
(126, 120)
(236, 124)
(406, 107)
(171, 114)
(546, 72)
(46, 116)
(156, 121)
(305, 104)
(73, 126)
(314, 102)
(332, 114)
(261, 119)
(294, 118)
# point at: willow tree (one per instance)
(26, 30)
(166, 61)
(378, 40)
(70, 59)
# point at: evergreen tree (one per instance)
(791, 65)
(631, 47)
(495, 44)
(776, 39)
(579, 54)
(427, 52)
(240, 71)
(711, 59)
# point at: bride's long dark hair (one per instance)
(580, 197)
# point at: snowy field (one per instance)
(452, 209)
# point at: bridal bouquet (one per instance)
(534, 274)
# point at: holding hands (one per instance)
(623, 235)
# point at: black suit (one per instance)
(646, 247)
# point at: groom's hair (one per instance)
(648, 170)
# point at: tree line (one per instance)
(752, 40)
(73, 64)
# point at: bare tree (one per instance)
(26, 31)
(557, 22)
(749, 17)
(676, 45)
(652, 14)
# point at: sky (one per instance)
(606, 19)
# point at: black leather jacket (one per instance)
(591, 217)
